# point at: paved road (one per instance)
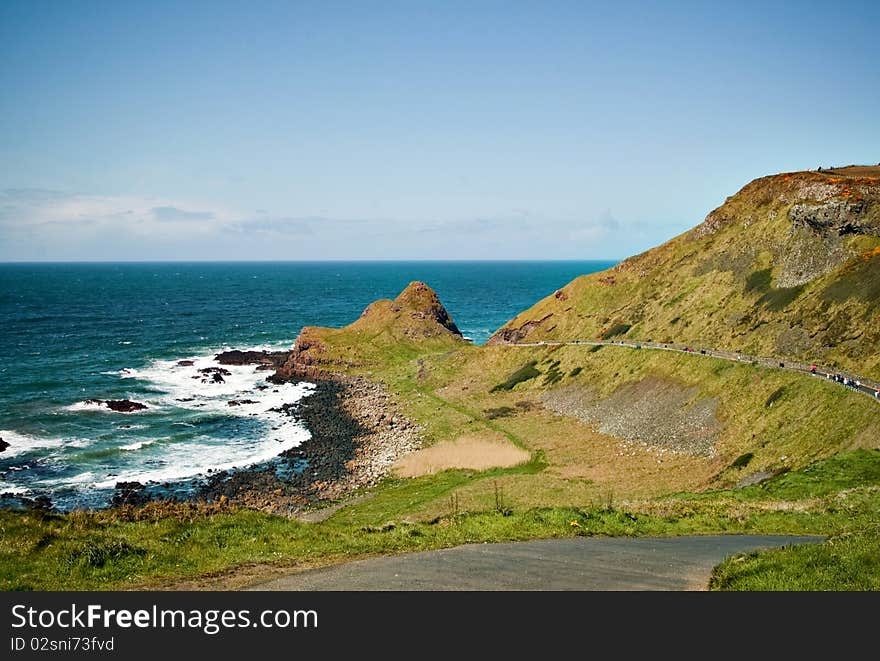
(581, 563)
(866, 386)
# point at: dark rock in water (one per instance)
(214, 374)
(118, 405)
(185, 399)
(3, 445)
(272, 359)
(215, 370)
(185, 363)
(262, 387)
(40, 503)
(239, 402)
(124, 405)
(130, 493)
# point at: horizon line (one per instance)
(306, 261)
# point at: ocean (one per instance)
(78, 332)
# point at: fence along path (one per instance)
(865, 386)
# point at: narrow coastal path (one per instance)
(867, 386)
(581, 563)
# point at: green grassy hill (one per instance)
(788, 267)
(386, 333)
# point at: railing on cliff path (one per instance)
(866, 387)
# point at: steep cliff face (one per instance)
(386, 327)
(789, 266)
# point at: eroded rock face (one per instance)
(834, 217)
(305, 361)
(816, 243)
(514, 335)
(808, 255)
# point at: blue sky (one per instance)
(412, 130)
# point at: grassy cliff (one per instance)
(788, 267)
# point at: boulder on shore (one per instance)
(130, 493)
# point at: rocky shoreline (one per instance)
(357, 434)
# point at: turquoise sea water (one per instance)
(74, 332)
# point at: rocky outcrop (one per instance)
(3, 445)
(130, 493)
(835, 217)
(118, 405)
(307, 360)
(808, 255)
(821, 201)
(421, 303)
(213, 374)
(236, 357)
(415, 315)
(513, 335)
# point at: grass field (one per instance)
(164, 546)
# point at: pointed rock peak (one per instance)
(417, 295)
(422, 301)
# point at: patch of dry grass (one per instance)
(472, 452)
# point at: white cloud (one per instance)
(33, 212)
(48, 224)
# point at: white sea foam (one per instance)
(80, 479)
(185, 387)
(172, 386)
(191, 459)
(19, 443)
(88, 406)
(136, 446)
(7, 487)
